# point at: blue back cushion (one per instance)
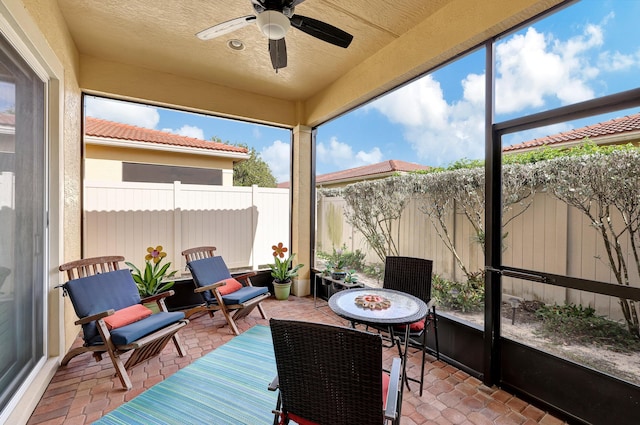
(207, 271)
(98, 293)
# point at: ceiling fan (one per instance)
(274, 17)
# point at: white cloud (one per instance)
(616, 61)
(122, 112)
(187, 131)
(532, 68)
(438, 132)
(414, 104)
(338, 154)
(278, 157)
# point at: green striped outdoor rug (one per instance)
(227, 386)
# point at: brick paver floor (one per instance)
(84, 390)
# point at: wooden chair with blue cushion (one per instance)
(113, 317)
(234, 296)
(332, 375)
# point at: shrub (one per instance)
(462, 296)
(350, 260)
(571, 323)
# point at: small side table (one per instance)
(333, 286)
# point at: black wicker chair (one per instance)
(413, 276)
(332, 375)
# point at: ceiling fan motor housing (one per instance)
(273, 24)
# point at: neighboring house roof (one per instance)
(7, 119)
(98, 128)
(617, 130)
(379, 170)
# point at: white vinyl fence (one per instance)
(122, 218)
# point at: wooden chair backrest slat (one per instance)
(199, 253)
(91, 266)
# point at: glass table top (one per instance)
(404, 308)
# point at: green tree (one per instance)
(252, 171)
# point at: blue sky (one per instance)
(584, 51)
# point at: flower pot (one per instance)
(281, 290)
(338, 274)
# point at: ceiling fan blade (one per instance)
(278, 53)
(225, 27)
(322, 30)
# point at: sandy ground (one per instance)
(621, 365)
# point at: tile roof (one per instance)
(108, 129)
(385, 167)
(381, 168)
(618, 126)
(7, 119)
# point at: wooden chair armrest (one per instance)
(246, 277)
(273, 386)
(157, 297)
(391, 411)
(209, 287)
(94, 317)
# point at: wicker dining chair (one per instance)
(413, 276)
(333, 375)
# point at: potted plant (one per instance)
(282, 272)
(337, 263)
(153, 280)
(351, 277)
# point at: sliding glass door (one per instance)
(22, 220)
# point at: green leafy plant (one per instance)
(341, 259)
(281, 270)
(351, 277)
(152, 280)
(462, 296)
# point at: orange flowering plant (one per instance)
(281, 270)
(151, 282)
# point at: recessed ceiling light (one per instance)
(235, 44)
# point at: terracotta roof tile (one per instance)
(385, 167)
(7, 119)
(616, 126)
(102, 128)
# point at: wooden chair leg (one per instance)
(261, 310)
(178, 344)
(121, 371)
(230, 321)
(120, 368)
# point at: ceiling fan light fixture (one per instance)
(273, 24)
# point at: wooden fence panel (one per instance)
(549, 237)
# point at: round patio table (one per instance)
(404, 310)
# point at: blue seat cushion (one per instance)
(128, 334)
(244, 294)
(101, 292)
